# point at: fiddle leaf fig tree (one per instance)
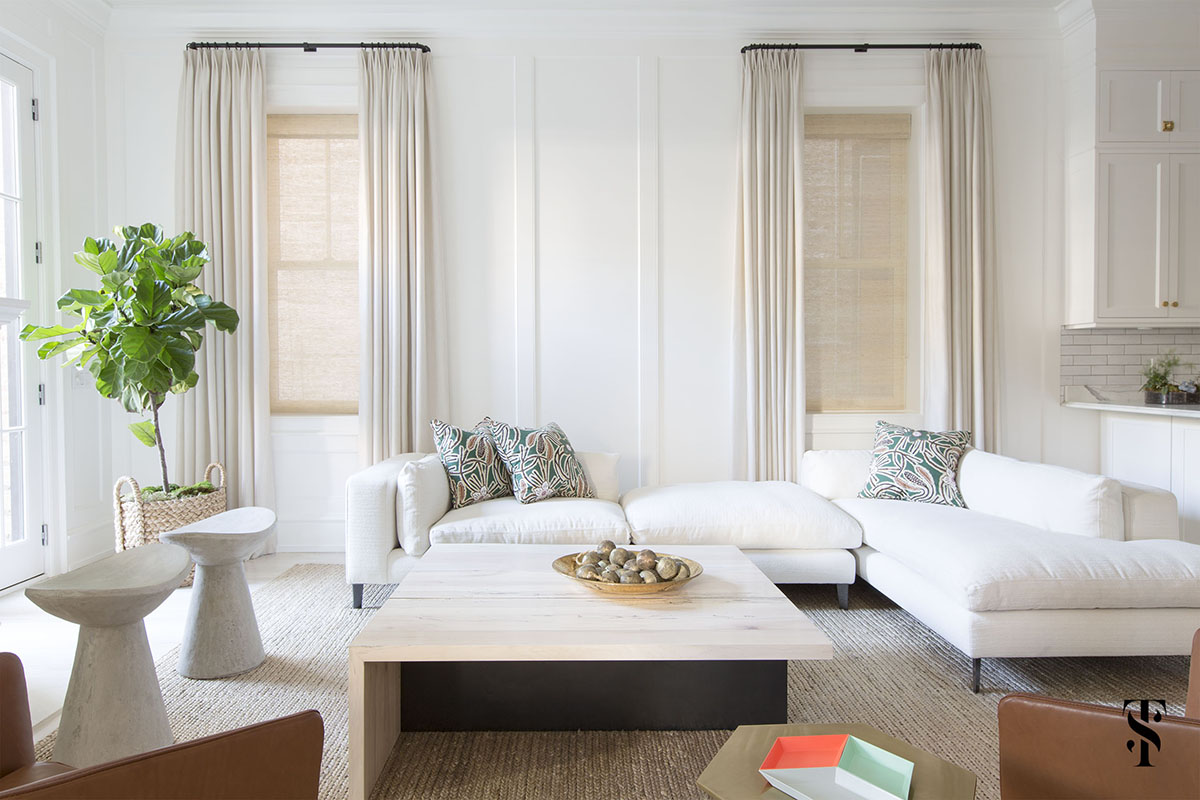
(139, 332)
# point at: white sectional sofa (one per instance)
(396, 509)
(1044, 561)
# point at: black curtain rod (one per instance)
(309, 47)
(862, 48)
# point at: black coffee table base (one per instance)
(591, 695)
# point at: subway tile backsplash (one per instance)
(1113, 357)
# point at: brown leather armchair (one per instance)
(276, 760)
(1060, 750)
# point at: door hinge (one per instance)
(34, 103)
(37, 252)
(45, 534)
(41, 394)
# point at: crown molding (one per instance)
(652, 18)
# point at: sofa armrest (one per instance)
(1057, 749)
(372, 519)
(1150, 512)
(276, 760)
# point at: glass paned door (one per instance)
(22, 555)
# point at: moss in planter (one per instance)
(153, 493)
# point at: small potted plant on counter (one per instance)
(1160, 386)
(138, 335)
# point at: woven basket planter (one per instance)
(138, 522)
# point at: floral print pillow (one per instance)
(473, 465)
(920, 466)
(541, 460)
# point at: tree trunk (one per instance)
(162, 453)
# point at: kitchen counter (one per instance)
(1098, 399)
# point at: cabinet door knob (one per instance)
(1174, 304)
(1165, 304)
(1168, 125)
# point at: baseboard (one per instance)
(310, 548)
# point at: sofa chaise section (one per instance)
(1043, 561)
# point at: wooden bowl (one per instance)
(566, 565)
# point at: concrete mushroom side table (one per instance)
(221, 637)
(114, 707)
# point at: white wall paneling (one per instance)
(313, 458)
(587, 194)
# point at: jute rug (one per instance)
(889, 671)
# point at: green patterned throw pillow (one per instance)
(920, 466)
(475, 469)
(541, 460)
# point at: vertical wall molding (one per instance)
(525, 299)
(649, 279)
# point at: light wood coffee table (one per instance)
(490, 637)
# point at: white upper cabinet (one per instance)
(1184, 248)
(1132, 260)
(1185, 106)
(1149, 106)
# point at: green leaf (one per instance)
(187, 383)
(89, 261)
(77, 298)
(50, 349)
(220, 315)
(179, 356)
(32, 333)
(187, 318)
(145, 433)
(108, 261)
(91, 246)
(141, 344)
(116, 279)
(186, 272)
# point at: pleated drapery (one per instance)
(769, 351)
(400, 310)
(221, 198)
(961, 375)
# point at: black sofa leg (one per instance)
(975, 662)
(356, 594)
(843, 590)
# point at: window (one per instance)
(21, 443)
(856, 254)
(312, 220)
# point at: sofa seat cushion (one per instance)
(748, 514)
(557, 520)
(987, 563)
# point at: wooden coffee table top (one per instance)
(733, 772)
(497, 602)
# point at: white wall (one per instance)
(65, 50)
(587, 194)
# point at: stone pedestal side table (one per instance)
(221, 637)
(114, 707)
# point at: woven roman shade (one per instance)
(856, 241)
(312, 259)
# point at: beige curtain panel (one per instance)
(399, 298)
(961, 382)
(221, 187)
(769, 352)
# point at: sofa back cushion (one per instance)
(767, 515)
(1044, 496)
(601, 472)
(835, 474)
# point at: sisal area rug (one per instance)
(888, 671)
